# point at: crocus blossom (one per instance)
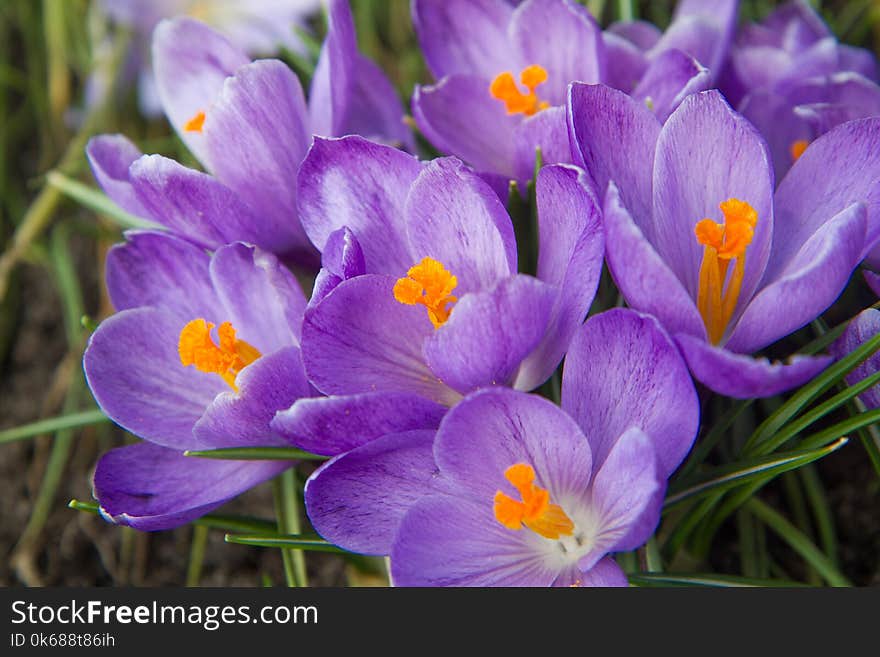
(502, 72)
(514, 491)
(697, 237)
(249, 125)
(419, 301)
(160, 369)
(791, 78)
(864, 327)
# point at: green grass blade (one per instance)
(51, 425)
(709, 579)
(311, 542)
(256, 454)
(95, 201)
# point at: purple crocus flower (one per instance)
(791, 78)
(514, 491)
(249, 125)
(160, 370)
(258, 27)
(864, 327)
(419, 301)
(776, 261)
(502, 73)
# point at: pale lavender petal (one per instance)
(744, 377)
(808, 285)
(444, 541)
(354, 183)
(623, 370)
(459, 116)
(860, 330)
(160, 270)
(691, 180)
(110, 156)
(564, 39)
(547, 130)
(242, 418)
(606, 573)
(375, 110)
(360, 339)
(625, 62)
(333, 83)
(643, 278)
(703, 29)
(571, 247)
(357, 500)
(133, 369)
(262, 299)
(149, 487)
(493, 429)
(191, 62)
(339, 423)
(613, 137)
(257, 134)
(453, 216)
(465, 36)
(670, 77)
(642, 34)
(490, 333)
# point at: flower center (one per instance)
(797, 148)
(195, 123)
(723, 243)
(430, 284)
(504, 88)
(535, 510)
(196, 347)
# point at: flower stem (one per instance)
(287, 510)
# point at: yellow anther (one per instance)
(797, 148)
(196, 347)
(504, 88)
(430, 284)
(535, 510)
(195, 123)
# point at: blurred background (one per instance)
(70, 69)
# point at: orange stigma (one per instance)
(535, 510)
(723, 243)
(196, 347)
(430, 284)
(504, 88)
(195, 123)
(797, 148)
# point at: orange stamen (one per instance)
(430, 284)
(196, 347)
(504, 88)
(535, 510)
(797, 148)
(723, 243)
(195, 123)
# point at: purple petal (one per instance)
(670, 77)
(340, 423)
(134, 370)
(624, 496)
(743, 377)
(459, 116)
(333, 84)
(613, 138)
(354, 183)
(191, 61)
(625, 62)
(622, 370)
(873, 281)
(357, 500)
(194, 204)
(262, 299)
(160, 270)
(702, 29)
(444, 541)
(642, 34)
(774, 115)
(646, 282)
(257, 134)
(493, 429)
(571, 247)
(837, 170)
(860, 330)
(564, 39)
(342, 259)
(150, 487)
(547, 130)
(453, 216)
(606, 573)
(490, 333)
(808, 285)
(376, 111)
(360, 339)
(465, 36)
(707, 154)
(110, 156)
(242, 418)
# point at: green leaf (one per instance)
(743, 472)
(311, 542)
(709, 579)
(256, 454)
(51, 425)
(95, 201)
(849, 425)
